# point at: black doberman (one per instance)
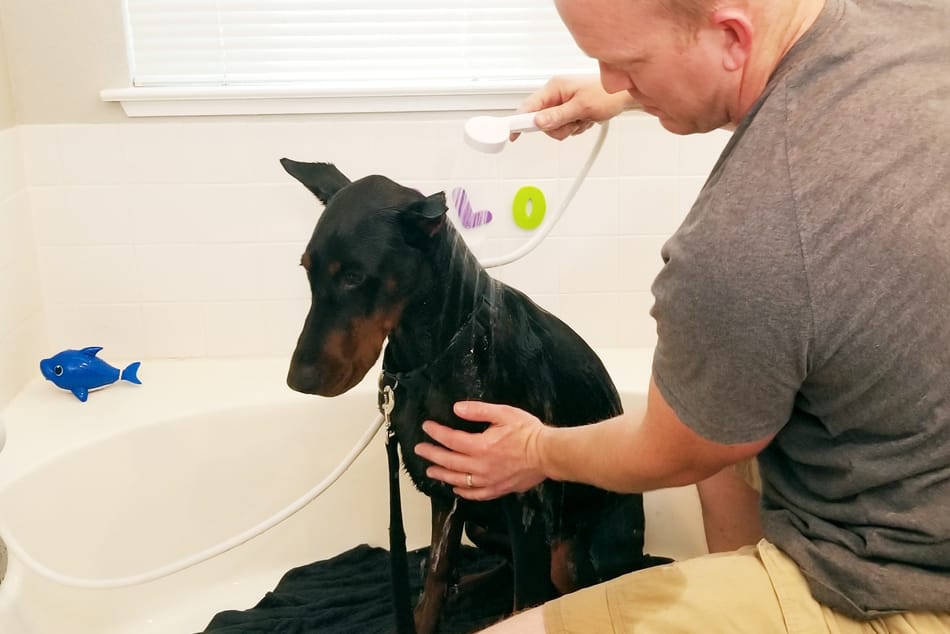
(383, 261)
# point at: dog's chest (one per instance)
(411, 407)
(414, 402)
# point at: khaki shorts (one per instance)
(754, 590)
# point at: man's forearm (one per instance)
(616, 455)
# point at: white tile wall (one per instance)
(22, 330)
(160, 239)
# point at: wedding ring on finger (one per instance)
(468, 480)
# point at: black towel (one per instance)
(350, 593)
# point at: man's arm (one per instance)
(730, 507)
(621, 454)
(627, 453)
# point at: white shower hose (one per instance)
(186, 562)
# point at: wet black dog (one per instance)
(383, 262)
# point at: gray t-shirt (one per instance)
(807, 294)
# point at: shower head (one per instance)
(489, 134)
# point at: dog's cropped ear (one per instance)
(429, 213)
(323, 179)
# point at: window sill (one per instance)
(234, 100)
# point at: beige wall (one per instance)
(7, 114)
(59, 55)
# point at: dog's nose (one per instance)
(313, 379)
(303, 378)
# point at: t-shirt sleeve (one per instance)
(733, 323)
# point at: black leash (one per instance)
(474, 331)
(399, 561)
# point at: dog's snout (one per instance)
(319, 380)
(303, 378)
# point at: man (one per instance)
(803, 318)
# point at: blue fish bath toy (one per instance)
(81, 370)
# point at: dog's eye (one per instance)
(350, 279)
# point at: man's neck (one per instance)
(783, 24)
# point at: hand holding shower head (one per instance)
(489, 134)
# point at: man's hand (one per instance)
(502, 459)
(568, 106)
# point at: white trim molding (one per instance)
(256, 100)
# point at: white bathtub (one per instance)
(141, 476)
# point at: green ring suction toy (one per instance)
(529, 207)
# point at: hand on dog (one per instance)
(502, 459)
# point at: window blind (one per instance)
(426, 45)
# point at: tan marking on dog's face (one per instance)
(352, 352)
(333, 268)
(391, 285)
(305, 261)
(337, 365)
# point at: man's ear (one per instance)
(737, 31)
(323, 179)
(428, 214)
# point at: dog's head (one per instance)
(364, 260)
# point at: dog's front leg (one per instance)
(443, 559)
(531, 555)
